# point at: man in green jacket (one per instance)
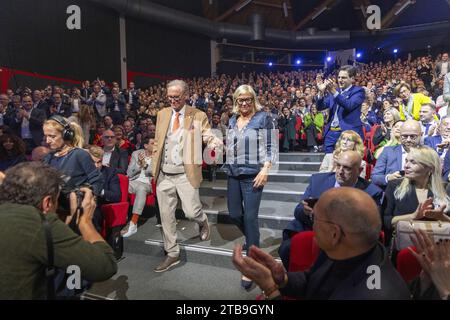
(29, 193)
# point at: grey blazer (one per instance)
(446, 93)
(134, 170)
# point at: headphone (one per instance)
(68, 134)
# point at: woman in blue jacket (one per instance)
(250, 152)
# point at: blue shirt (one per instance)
(79, 168)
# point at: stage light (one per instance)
(395, 50)
(328, 59)
(270, 64)
(358, 55)
(298, 61)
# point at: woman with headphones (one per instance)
(65, 140)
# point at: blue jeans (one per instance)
(330, 140)
(243, 206)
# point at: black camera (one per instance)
(64, 197)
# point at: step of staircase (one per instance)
(272, 214)
(288, 191)
(301, 156)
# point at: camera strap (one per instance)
(50, 269)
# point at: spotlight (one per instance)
(328, 59)
(298, 61)
(358, 55)
(270, 64)
(395, 50)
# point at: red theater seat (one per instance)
(304, 251)
(407, 265)
(116, 214)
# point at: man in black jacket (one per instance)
(352, 265)
(27, 123)
(114, 157)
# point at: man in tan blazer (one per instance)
(177, 166)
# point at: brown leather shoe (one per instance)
(167, 264)
(204, 231)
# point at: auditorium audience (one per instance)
(348, 168)
(392, 160)
(419, 194)
(348, 140)
(350, 244)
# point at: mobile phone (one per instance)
(311, 202)
(402, 173)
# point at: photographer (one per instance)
(28, 196)
(65, 141)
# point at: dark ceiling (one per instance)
(341, 14)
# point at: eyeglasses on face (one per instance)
(330, 222)
(109, 137)
(410, 136)
(241, 101)
(174, 98)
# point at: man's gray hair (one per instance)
(179, 83)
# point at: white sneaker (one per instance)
(132, 229)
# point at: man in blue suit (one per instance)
(392, 159)
(348, 168)
(344, 105)
(440, 142)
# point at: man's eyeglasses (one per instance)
(328, 221)
(247, 101)
(108, 137)
(410, 136)
(174, 98)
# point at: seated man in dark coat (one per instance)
(348, 168)
(111, 185)
(113, 156)
(353, 264)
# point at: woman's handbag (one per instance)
(436, 229)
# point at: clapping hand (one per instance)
(434, 259)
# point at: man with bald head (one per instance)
(346, 225)
(348, 169)
(392, 160)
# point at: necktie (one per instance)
(176, 123)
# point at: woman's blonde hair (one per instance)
(359, 145)
(395, 113)
(86, 114)
(242, 89)
(77, 141)
(430, 160)
(95, 151)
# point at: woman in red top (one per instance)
(123, 143)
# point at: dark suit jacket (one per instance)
(446, 167)
(110, 105)
(119, 160)
(318, 184)
(65, 110)
(111, 186)
(42, 105)
(37, 118)
(389, 161)
(392, 286)
(432, 142)
(349, 112)
(393, 207)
